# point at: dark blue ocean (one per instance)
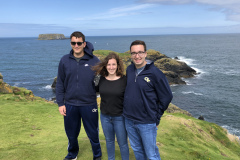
(213, 93)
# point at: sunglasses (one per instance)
(78, 43)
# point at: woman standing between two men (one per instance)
(111, 87)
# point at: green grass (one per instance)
(32, 128)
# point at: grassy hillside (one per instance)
(32, 128)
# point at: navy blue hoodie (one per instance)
(147, 95)
(75, 80)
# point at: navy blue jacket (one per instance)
(75, 80)
(147, 95)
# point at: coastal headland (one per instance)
(32, 128)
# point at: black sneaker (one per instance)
(98, 158)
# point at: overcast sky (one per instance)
(29, 18)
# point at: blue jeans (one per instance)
(112, 125)
(142, 138)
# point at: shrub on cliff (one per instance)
(5, 88)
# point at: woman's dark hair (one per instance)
(101, 69)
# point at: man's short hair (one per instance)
(138, 42)
(78, 35)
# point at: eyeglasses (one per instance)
(140, 53)
(78, 43)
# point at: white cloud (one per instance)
(130, 8)
(166, 1)
(231, 8)
(118, 12)
(219, 2)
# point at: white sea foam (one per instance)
(191, 63)
(26, 82)
(232, 72)
(188, 82)
(199, 71)
(188, 61)
(16, 84)
(47, 79)
(232, 130)
(47, 87)
(192, 92)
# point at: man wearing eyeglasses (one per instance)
(76, 95)
(147, 96)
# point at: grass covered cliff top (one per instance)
(32, 128)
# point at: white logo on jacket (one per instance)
(94, 110)
(86, 65)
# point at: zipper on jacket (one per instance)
(138, 74)
(77, 72)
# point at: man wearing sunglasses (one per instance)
(76, 95)
(146, 97)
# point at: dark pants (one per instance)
(72, 123)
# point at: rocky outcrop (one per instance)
(173, 78)
(51, 37)
(154, 55)
(7, 89)
(174, 109)
(178, 67)
(1, 78)
(54, 83)
(4, 87)
(172, 68)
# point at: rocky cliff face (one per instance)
(51, 36)
(4, 87)
(7, 89)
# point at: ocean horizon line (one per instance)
(167, 34)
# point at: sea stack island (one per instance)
(51, 37)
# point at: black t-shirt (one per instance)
(112, 95)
